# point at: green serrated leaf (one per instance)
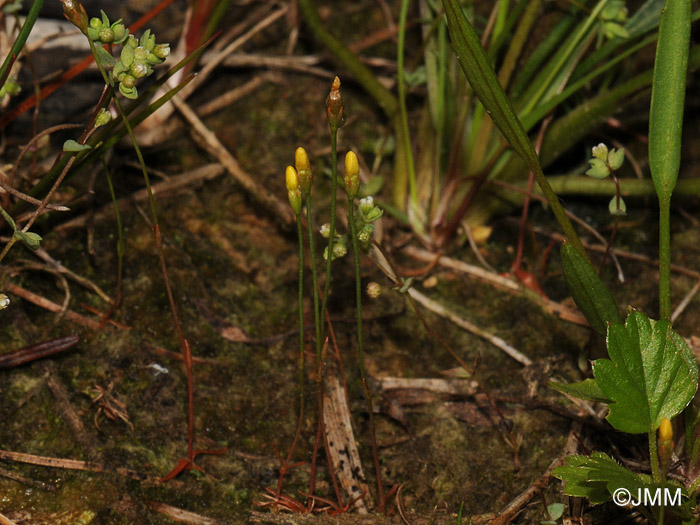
(71, 145)
(587, 389)
(597, 476)
(651, 374)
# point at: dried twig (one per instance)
(437, 308)
(71, 464)
(211, 143)
(182, 515)
(161, 189)
(686, 300)
(552, 307)
(37, 351)
(342, 447)
(50, 305)
(449, 387)
(86, 283)
(4, 520)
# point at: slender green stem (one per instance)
(358, 286)
(654, 457)
(314, 271)
(129, 129)
(331, 237)
(320, 327)
(664, 259)
(120, 240)
(300, 364)
(368, 80)
(361, 351)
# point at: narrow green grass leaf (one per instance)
(482, 79)
(19, 42)
(651, 374)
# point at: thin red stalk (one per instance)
(317, 441)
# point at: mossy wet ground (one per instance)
(232, 265)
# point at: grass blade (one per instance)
(482, 78)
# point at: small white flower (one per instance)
(600, 152)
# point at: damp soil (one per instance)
(234, 268)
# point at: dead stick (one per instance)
(71, 464)
(37, 351)
(211, 143)
(49, 305)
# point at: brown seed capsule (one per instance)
(334, 106)
(75, 13)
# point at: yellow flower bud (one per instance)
(293, 190)
(665, 444)
(301, 159)
(351, 165)
(292, 179)
(665, 430)
(352, 174)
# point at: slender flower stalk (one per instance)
(301, 161)
(294, 194)
(335, 112)
(352, 185)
